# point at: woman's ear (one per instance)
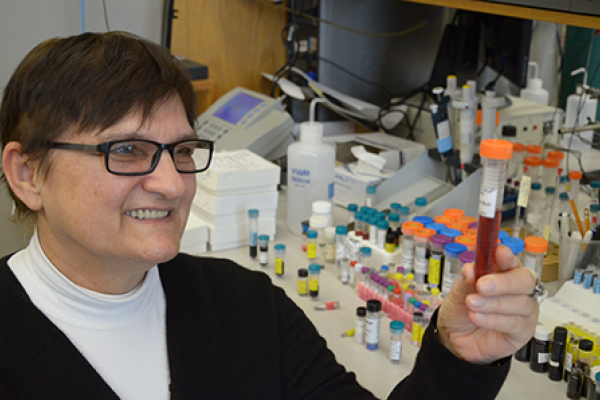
(20, 175)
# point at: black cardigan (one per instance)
(231, 334)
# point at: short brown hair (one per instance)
(87, 82)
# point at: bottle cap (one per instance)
(560, 335)
(453, 213)
(404, 210)
(361, 311)
(444, 220)
(550, 190)
(517, 245)
(365, 250)
(311, 234)
(412, 301)
(595, 184)
(421, 202)
(466, 219)
(532, 161)
(425, 233)
(253, 213)
(410, 277)
(575, 175)
(550, 162)
(314, 268)
(518, 147)
(543, 333)
(410, 227)
(397, 325)
(440, 239)
(435, 226)
(279, 247)
(455, 248)
(473, 232)
(536, 244)
(450, 232)
(559, 155)
(371, 189)
(373, 306)
(594, 207)
(467, 257)
(264, 238)
(352, 207)
(459, 226)
(564, 196)
(330, 234)
(466, 240)
(303, 272)
(502, 234)
(321, 207)
(341, 230)
(496, 149)
(423, 220)
(393, 217)
(435, 291)
(395, 206)
(536, 186)
(534, 149)
(382, 224)
(586, 345)
(381, 215)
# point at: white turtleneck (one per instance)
(122, 336)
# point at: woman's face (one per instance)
(85, 224)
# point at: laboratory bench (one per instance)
(372, 368)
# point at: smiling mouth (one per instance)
(147, 214)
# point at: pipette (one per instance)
(489, 107)
(468, 107)
(495, 155)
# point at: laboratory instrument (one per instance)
(253, 232)
(314, 272)
(263, 250)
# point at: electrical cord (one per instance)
(105, 15)
(404, 32)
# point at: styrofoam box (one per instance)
(238, 169)
(231, 219)
(572, 303)
(238, 233)
(196, 232)
(242, 191)
(234, 204)
(195, 250)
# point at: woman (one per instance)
(101, 305)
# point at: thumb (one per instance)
(464, 285)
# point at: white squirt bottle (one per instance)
(580, 111)
(534, 90)
(310, 164)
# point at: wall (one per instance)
(25, 23)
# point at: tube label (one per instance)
(487, 202)
(395, 350)
(372, 330)
(253, 239)
(434, 271)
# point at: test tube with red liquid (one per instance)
(495, 155)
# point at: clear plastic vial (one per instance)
(279, 259)
(422, 237)
(314, 272)
(382, 230)
(352, 209)
(371, 193)
(263, 250)
(396, 331)
(341, 232)
(533, 259)
(302, 282)
(452, 265)
(436, 244)
(420, 203)
(364, 256)
(409, 229)
(330, 245)
(372, 320)
(311, 244)
(416, 328)
(253, 232)
(359, 329)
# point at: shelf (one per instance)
(560, 17)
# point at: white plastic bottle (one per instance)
(534, 90)
(585, 106)
(310, 175)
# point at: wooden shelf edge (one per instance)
(567, 18)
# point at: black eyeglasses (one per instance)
(140, 157)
